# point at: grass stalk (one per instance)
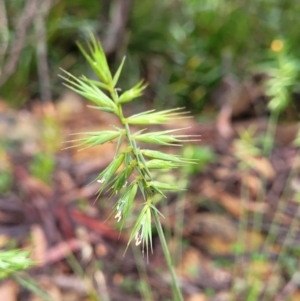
(175, 284)
(241, 239)
(136, 163)
(267, 148)
(30, 284)
(145, 289)
(270, 134)
(281, 206)
(287, 241)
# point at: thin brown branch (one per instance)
(22, 38)
(42, 51)
(20, 33)
(119, 16)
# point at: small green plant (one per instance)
(14, 264)
(282, 71)
(203, 154)
(136, 163)
(13, 261)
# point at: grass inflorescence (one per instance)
(136, 163)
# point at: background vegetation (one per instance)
(182, 47)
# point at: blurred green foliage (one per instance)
(181, 47)
(5, 182)
(12, 261)
(204, 155)
(6, 174)
(42, 166)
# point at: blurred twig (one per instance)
(119, 16)
(3, 33)
(42, 50)
(289, 288)
(29, 14)
(20, 33)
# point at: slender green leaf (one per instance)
(118, 73)
(119, 144)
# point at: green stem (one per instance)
(281, 207)
(33, 286)
(241, 243)
(144, 175)
(291, 234)
(270, 135)
(266, 151)
(145, 288)
(176, 289)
